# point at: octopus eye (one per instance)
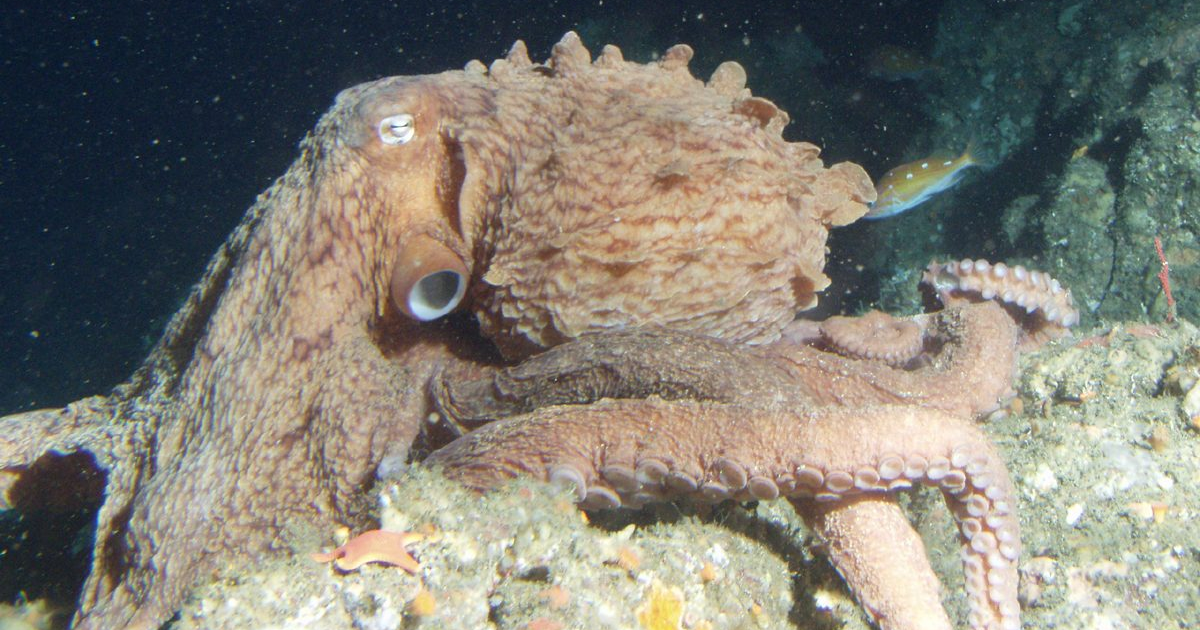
(398, 129)
(429, 279)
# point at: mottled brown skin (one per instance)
(270, 400)
(651, 200)
(580, 196)
(971, 368)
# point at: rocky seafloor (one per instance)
(1101, 443)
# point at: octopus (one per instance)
(636, 242)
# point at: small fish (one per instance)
(896, 63)
(910, 185)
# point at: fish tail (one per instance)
(971, 157)
(968, 153)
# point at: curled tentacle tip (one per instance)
(1042, 306)
(875, 335)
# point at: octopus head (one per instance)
(405, 168)
(580, 196)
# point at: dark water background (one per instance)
(134, 135)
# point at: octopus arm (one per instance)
(621, 452)
(632, 364)
(26, 438)
(67, 458)
(641, 363)
(869, 541)
(966, 365)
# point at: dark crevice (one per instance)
(46, 539)
(1112, 150)
(1153, 74)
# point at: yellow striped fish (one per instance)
(910, 185)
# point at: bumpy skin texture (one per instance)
(641, 193)
(579, 196)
